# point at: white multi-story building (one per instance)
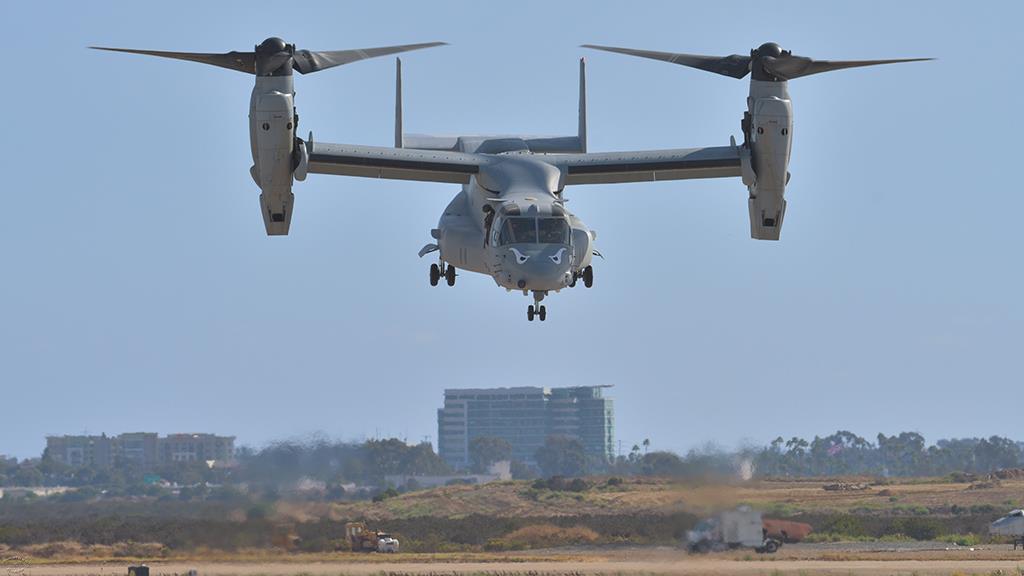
(524, 417)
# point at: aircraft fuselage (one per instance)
(511, 224)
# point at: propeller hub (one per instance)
(770, 49)
(764, 59)
(274, 57)
(271, 45)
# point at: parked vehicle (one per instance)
(361, 539)
(786, 531)
(740, 528)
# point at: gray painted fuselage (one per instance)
(515, 185)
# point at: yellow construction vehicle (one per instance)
(361, 539)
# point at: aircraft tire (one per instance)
(435, 274)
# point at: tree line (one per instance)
(903, 454)
(368, 463)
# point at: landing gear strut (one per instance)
(587, 274)
(446, 270)
(536, 309)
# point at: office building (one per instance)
(524, 417)
(145, 450)
(196, 448)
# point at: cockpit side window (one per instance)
(553, 230)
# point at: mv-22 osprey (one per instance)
(509, 221)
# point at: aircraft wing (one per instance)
(649, 165)
(393, 163)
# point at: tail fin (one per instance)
(581, 131)
(398, 103)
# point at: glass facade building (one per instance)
(524, 417)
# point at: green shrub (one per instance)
(916, 528)
(389, 493)
(845, 524)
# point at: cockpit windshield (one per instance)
(519, 231)
(524, 230)
(553, 230)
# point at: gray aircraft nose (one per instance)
(543, 269)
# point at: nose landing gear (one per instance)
(536, 309)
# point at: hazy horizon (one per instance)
(141, 292)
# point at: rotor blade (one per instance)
(789, 67)
(240, 61)
(307, 61)
(734, 66)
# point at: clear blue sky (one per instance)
(139, 291)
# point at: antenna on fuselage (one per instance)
(398, 103)
(581, 131)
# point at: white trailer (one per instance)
(740, 528)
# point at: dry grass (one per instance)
(77, 554)
(548, 536)
(654, 496)
(75, 551)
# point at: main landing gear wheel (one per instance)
(435, 274)
(449, 275)
(588, 276)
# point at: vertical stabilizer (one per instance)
(398, 102)
(581, 132)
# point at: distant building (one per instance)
(524, 417)
(77, 451)
(197, 448)
(137, 448)
(143, 449)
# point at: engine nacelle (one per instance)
(272, 135)
(582, 244)
(769, 137)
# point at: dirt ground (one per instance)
(842, 559)
(516, 499)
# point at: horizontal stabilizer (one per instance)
(495, 143)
